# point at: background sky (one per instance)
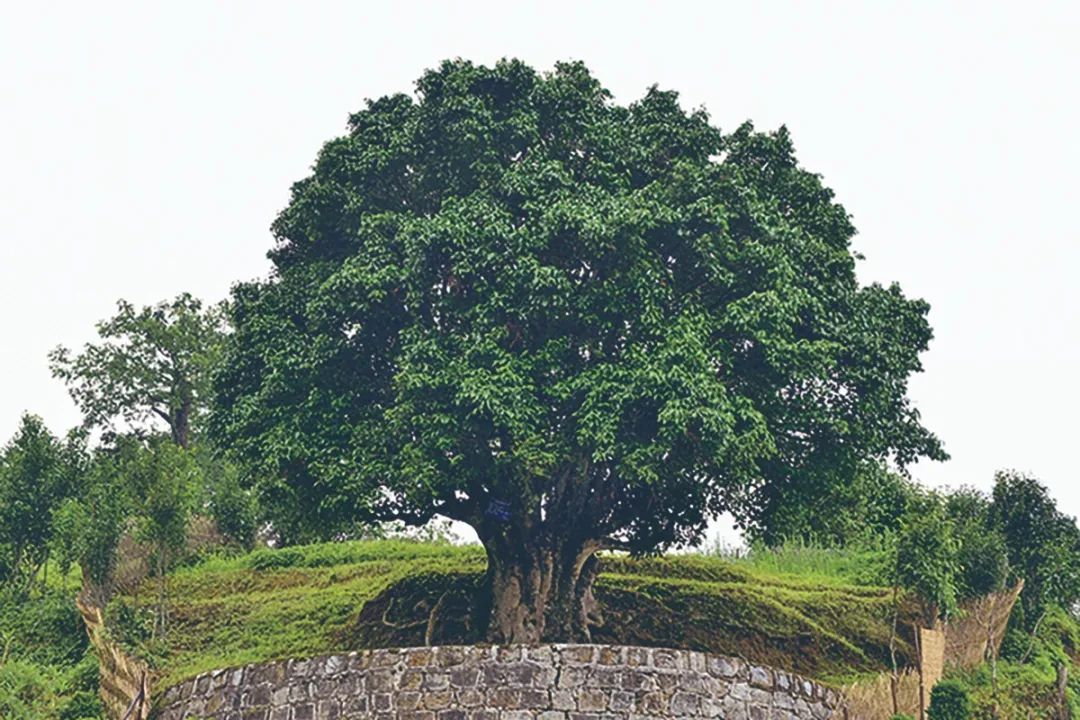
(146, 147)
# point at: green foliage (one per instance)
(949, 701)
(926, 557)
(38, 474)
(44, 628)
(31, 691)
(512, 297)
(1029, 688)
(233, 506)
(47, 669)
(838, 509)
(981, 551)
(27, 691)
(101, 517)
(150, 365)
(129, 624)
(902, 716)
(163, 480)
(1043, 544)
(1025, 690)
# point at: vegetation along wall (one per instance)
(547, 682)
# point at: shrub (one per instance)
(27, 691)
(949, 700)
(45, 628)
(926, 561)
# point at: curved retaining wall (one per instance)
(547, 682)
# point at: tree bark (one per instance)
(1063, 711)
(180, 425)
(541, 592)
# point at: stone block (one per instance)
(419, 657)
(761, 677)
(408, 700)
(685, 703)
(470, 698)
(437, 700)
(334, 664)
(450, 656)
(590, 700)
(563, 700)
(502, 698)
(611, 655)
(328, 709)
(385, 658)
(725, 667)
(578, 654)
(667, 659)
(411, 679)
(382, 702)
(621, 701)
(534, 699)
(464, 676)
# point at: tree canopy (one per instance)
(151, 365)
(38, 473)
(571, 324)
(1042, 542)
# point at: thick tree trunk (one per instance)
(543, 593)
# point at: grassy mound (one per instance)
(323, 598)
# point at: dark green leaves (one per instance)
(510, 288)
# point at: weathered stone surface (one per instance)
(548, 682)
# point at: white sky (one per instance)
(146, 147)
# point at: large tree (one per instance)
(571, 324)
(151, 365)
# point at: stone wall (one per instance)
(556, 682)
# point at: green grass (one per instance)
(303, 601)
(866, 564)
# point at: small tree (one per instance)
(163, 479)
(100, 518)
(982, 556)
(38, 472)
(1043, 544)
(949, 700)
(926, 558)
(151, 364)
(228, 501)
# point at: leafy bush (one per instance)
(949, 700)
(27, 691)
(45, 628)
(233, 508)
(926, 557)
(128, 624)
